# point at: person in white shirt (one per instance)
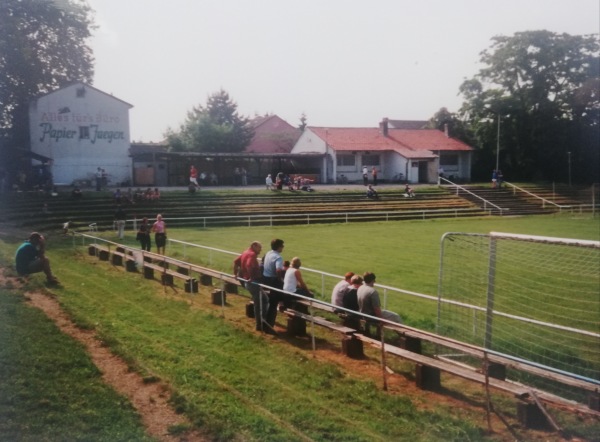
(293, 282)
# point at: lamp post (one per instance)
(569, 155)
(498, 145)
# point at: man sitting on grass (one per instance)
(30, 258)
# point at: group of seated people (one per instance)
(359, 294)
(282, 180)
(146, 195)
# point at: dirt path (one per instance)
(150, 399)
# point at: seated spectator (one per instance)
(351, 303)
(148, 194)
(76, 193)
(293, 282)
(138, 195)
(156, 194)
(409, 192)
(340, 289)
(30, 258)
(118, 196)
(372, 193)
(351, 297)
(305, 185)
(369, 303)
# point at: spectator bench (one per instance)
(117, 256)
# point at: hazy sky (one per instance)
(344, 63)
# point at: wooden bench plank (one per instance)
(447, 367)
(321, 321)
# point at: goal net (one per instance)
(530, 297)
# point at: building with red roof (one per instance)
(412, 155)
(272, 135)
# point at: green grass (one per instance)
(231, 382)
(49, 388)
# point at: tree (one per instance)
(543, 89)
(42, 48)
(444, 119)
(214, 128)
(302, 124)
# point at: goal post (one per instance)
(530, 297)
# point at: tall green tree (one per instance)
(43, 46)
(543, 88)
(216, 127)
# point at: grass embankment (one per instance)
(224, 377)
(49, 388)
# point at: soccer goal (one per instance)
(533, 298)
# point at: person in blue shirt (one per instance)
(30, 258)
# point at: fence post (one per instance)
(489, 315)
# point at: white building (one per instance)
(411, 155)
(82, 128)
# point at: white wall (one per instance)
(81, 132)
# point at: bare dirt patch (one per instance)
(150, 399)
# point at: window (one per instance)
(449, 160)
(370, 160)
(84, 132)
(346, 160)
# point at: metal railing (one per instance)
(461, 188)
(544, 200)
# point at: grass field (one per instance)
(224, 377)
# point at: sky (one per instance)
(343, 63)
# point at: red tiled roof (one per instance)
(408, 143)
(272, 135)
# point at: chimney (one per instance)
(446, 130)
(383, 127)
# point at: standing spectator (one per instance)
(500, 178)
(193, 176)
(340, 289)
(441, 172)
(118, 196)
(293, 282)
(143, 235)
(273, 277)
(374, 175)
(244, 173)
(279, 181)
(120, 219)
(369, 303)
(98, 180)
(247, 268)
(237, 177)
(104, 178)
(31, 258)
(365, 173)
(213, 179)
(269, 182)
(160, 234)
(494, 178)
